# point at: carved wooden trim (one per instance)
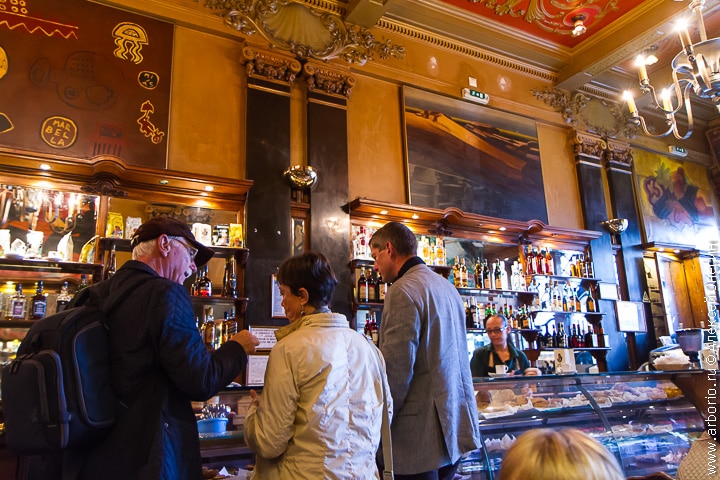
(270, 65)
(329, 81)
(457, 223)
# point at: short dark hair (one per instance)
(400, 237)
(502, 317)
(311, 271)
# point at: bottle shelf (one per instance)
(565, 278)
(490, 292)
(17, 323)
(562, 313)
(368, 305)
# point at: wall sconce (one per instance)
(300, 177)
(615, 226)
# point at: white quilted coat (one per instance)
(320, 412)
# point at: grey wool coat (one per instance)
(423, 340)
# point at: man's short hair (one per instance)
(398, 235)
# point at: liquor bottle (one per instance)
(478, 273)
(440, 252)
(362, 286)
(230, 325)
(457, 281)
(39, 303)
(463, 273)
(497, 276)
(63, 298)
(539, 262)
(83, 282)
(380, 288)
(208, 327)
(589, 267)
(552, 343)
(374, 329)
(230, 282)
(371, 291)
(487, 282)
(17, 304)
(530, 262)
(367, 330)
(111, 265)
(204, 284)
(562, 339)
(590, 303)
(549, 263)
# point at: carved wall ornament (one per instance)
(306, 32)
(279, 68)
(619, 154)
(589, 146)
(601, 117)
(329, 81)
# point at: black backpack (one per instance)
(57, 393)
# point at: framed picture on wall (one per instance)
(276, 308)
(460, 154)
(675, 200)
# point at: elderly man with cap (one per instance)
(159, 363)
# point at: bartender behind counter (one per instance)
(499, 352)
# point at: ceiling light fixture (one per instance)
(695, 69)
(578, 25)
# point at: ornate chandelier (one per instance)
(696, 69)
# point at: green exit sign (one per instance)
(475, 96)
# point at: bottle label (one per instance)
(17, 307)
(38, 310)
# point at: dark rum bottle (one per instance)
(204, 284)
(111, 265)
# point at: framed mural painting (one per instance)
(675, 200)
(463, 155)
(84, 80)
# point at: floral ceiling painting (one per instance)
(676, 201)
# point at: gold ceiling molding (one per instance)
(588, 147)
(305, 31)
(446, 43)
(596, 115)
(329, 81)
(270, 65)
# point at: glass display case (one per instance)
(644, 418)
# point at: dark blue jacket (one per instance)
(159, 364)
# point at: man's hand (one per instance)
(247, 340)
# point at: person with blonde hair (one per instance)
(567, 454)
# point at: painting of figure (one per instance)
(464, 155)
(675, 200)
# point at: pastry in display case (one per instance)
(641, 417)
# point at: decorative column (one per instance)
(589, 151)
(328, 89)
(267, 221)
(618, 166)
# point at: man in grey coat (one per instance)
(422, 336)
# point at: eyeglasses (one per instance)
(191, 251)
(494, 331)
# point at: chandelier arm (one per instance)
(641, 121)
(688, 110)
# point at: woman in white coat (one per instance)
(320, 413)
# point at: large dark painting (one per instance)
(79, 80)
(464, 155)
